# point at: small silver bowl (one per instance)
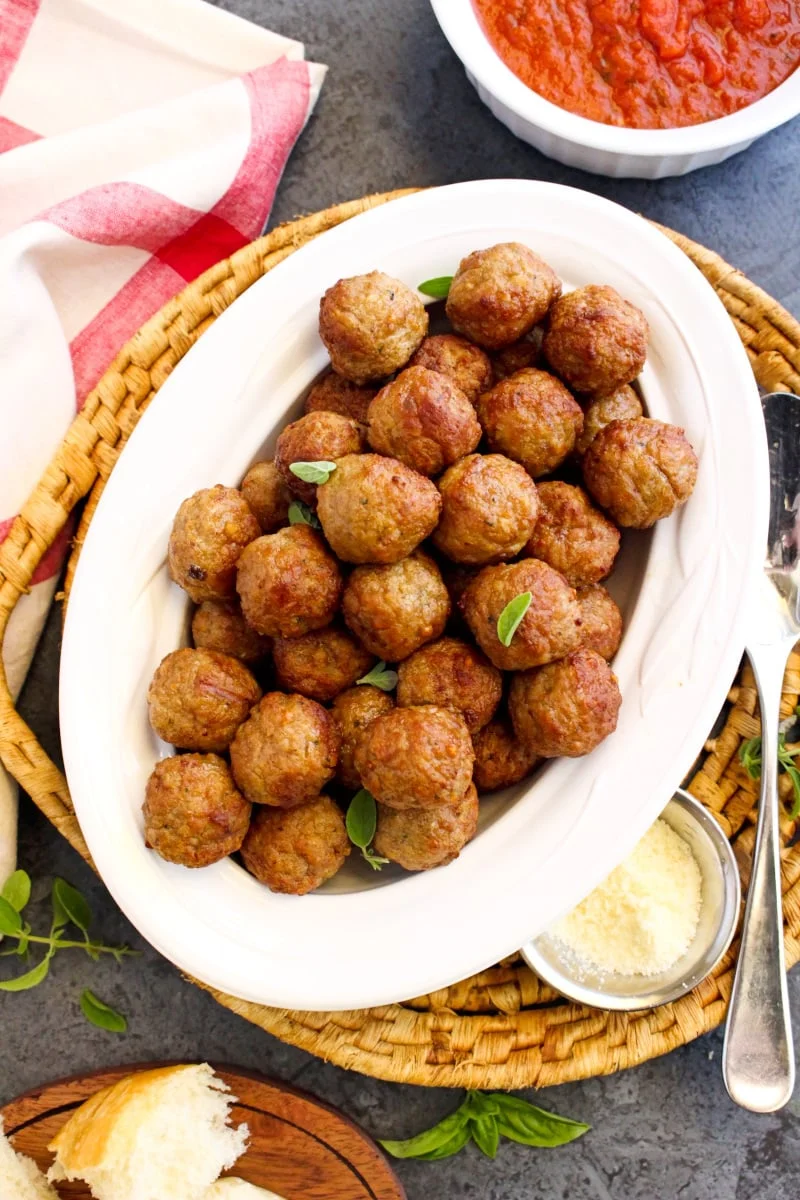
(719, 913)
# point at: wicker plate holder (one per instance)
(502, 1028)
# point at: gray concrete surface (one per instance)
(397, 110)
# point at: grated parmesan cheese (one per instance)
(643, 917)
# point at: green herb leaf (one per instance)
(30, 979)
(102, 1015)
(485, 1134)
(362, 818)
(69, 903)
(510, 617)
(438, 287)
(373, 860)
(17, 890)
(380, 677)
(10, 920)
(313, 472)
(750, 757)
(457, 1142)
(523, 1122)
(454, 1128)
(301, 514)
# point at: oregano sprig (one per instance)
(313, 472)
(301, 514)
(438, 288)
(361, 822)
(750, 758)
(380, 677)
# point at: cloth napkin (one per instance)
(140, 142)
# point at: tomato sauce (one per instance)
(646, 64)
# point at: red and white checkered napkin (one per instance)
(140, 142)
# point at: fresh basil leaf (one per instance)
(313, 472)
(301, 514)
(509, 619)
(30, 979)
(102, 1015)
(485, 1135)
(362, 819)
(380, 677)
(24, 941)
(438, 287)
(68, 902)
(10, 920)
(17, 890)
(532, 1126)
(481, 1104)
(432, 1140)
(457, 1142)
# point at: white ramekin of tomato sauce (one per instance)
(643, 89)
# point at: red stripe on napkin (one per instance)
(16, 19)
(13, 135)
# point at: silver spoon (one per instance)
(758, 1054)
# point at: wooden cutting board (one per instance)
(299, 1147)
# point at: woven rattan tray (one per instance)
(502, 1028)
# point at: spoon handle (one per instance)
(758, 1055)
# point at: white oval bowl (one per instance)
(365, 939)
(590, 145)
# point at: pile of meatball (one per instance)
(464, 469)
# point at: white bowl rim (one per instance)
(460, 25)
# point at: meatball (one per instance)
(501, 760)
(601, 621)
(424, 420)
(550, 627)
(395, 609)
(193, 813)
(451, 674)
(286, 751)
(198, 699)
(353, 711)
(640, 471)
(316, 437)
(422, 838)
(220, 625)
(497, 295)
(375, 509)
(265, 490)
(566, 708)
(371, 325)
(572, 535)
(295, 851)
(595, 340)
(210, 531)
(415, 757)
(289, 583)
(517, 356)
(467, 365)
(489, 509)
(621, 405)
(335, 394)
(320, 664)
(532, 418)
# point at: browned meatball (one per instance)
(498, 294)
(316, 437)
(424, 420)
(572, 535)
(415, 757)
(265, 490)
(621, 405)
(420, 839)
(353, 711)
(193, 814)
(286, 751)
(289, 583)
(375, 509)
(489, 509)
(451, 674)
(210, 531)
(198, 699)
(453, 356)
(532, 418)
(395, 609)
(550, 627)
(601, 621)
(220, 625)
(566, 708)
(501, 760)
(640, 471)
(295, 851)
(595, 340)
(334, 393)
(320, 664)
(518, 356)
(371, 325)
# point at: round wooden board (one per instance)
(299, 1147)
